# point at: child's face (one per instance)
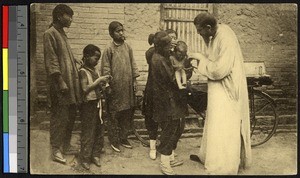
(181, 53)
(118, 34)
(94, 59)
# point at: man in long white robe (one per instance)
(225, 145)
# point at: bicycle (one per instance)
(263, 116)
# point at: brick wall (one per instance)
(90, 25)
(140, 21)
(266, 33)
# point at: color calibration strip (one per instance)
(5, 30)
(15, 89)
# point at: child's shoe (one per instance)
(126, 143)
(96, 161)
(115, 148)
(165, 165)
(85, 165)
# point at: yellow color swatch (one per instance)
(5, 68)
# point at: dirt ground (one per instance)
(276, 157)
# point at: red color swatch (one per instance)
(4, 26)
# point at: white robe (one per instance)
(226, 139)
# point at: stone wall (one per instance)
(267, 32)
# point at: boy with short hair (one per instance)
(92, 133)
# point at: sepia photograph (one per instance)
(163, 88)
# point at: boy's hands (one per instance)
(103, 79)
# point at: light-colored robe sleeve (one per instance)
(105, 62)
(50, 56)
(222, 66)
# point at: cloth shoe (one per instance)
(126, 143)
(172, 156)
(96, 161)
(58, 156)
(115, 147)
(85, 165)
(176, 162)
(152, 152)
(196, 158)
(165, 165)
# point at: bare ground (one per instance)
(276, 157)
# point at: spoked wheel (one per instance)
(139, 137)
(135, 130)
(263, 117)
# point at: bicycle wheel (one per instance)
(138, 136)
(263, 117)
(138, 114)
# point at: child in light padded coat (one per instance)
(118, 61)
(91, 121)
(178, 58)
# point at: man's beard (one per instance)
(206, 40)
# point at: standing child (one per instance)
(118, 61)
(169, 107)
(178, 59)
(92, 125)
(151, 125)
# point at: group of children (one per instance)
(84, 88)
(93, 84)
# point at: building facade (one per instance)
(266, 32)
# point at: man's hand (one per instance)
(197, 56)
